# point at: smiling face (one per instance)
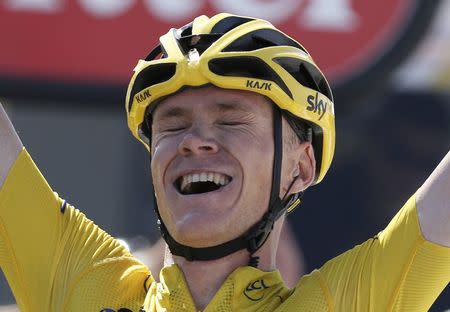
(212, 155)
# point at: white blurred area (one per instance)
(429, 66)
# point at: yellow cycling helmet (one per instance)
(237, 52)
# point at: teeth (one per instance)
(196, 178)
(184, 183)
(217, 178)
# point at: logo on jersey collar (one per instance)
(255, 290)
(121, 310)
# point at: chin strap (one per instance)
(257, 235)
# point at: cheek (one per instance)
(162, 153)
(256, 158)
(257, 184)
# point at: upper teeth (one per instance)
(218, 178)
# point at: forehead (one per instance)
(212, 99)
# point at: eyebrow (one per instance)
(220, 107)
(223, 107)
(173, 112)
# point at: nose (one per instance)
(196, 143)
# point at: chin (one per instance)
(201, 231)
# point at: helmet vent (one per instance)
(186, 30)
(306, 74)
(150, 76)
(156, 53)
(228, 23)
(262, 38)
(246, 66)
(198, 42)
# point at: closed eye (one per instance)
(171, 125)
(230, 123)
(174, 129)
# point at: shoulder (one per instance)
(311, 294)
(115, 282)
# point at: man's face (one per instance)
(212, 155)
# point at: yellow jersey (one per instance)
(55, 259)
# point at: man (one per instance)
(239, 121)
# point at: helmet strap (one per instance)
(257, 235)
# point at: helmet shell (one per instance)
(236, 52)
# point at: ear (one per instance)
(303, 168)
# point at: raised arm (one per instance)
(48, 249)
(10, 145)
(433, 204)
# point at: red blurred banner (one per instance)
(101, 40)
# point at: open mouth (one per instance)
(202, 182)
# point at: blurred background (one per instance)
(64, 66)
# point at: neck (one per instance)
(204, 278)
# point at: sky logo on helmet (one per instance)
(141, 97)
(254, 84)
(317, 105)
